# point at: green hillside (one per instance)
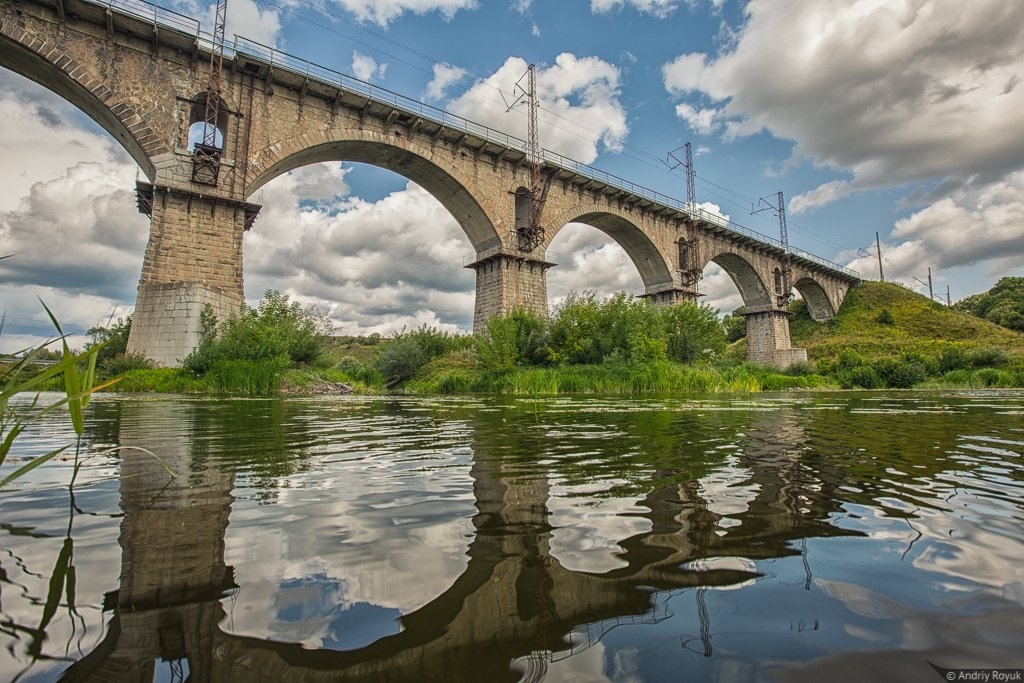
(884, 323)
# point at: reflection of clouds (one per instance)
(725, 495)
(590, 665)
(970, 555)
(588, 529)
(361, 537)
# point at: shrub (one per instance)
(693, 332)
(518, 338)
(987, 357)
(900, 374)
(735, 325)
(353, 369)
(400, 358)
(277, 328)
(799, 369)
(109, 343)
(862, 377)
(953, 358)
(885, 317)
(126, 362)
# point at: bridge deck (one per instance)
(184, 34)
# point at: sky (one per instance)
(897, 118)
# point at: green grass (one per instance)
(917, 325)
(884, 336)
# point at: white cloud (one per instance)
(382, 12)
(374, 267)
(445, 76)
(978, 226)
(366, 68)
(246, 18)
(825, 193)
(891, 92)
(579, 98)
(39, 132)
(701, 121)
(659, 8)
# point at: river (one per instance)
(765, 537)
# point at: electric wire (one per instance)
(570, 127)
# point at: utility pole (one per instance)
(931, 294)
(531, 235)
(783, 286)
(691, 174)
(206, 156)
(689, 256)
(949, 302)
(878, 246)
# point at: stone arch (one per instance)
(748, 280)
(819, 305)
(654, 268)
(49, 65)
(441, 181)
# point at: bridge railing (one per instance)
(306, 69)
(282, 60)
(154, 13)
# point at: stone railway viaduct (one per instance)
(142, 73)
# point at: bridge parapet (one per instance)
(282, 112)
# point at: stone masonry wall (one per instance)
(768, 339)
(504, 283)
(194, 258)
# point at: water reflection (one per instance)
(495, 540)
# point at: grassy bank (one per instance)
(884, 337)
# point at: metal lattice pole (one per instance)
(216, 66)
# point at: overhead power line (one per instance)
(426, 63)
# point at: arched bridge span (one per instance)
(137, 69)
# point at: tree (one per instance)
(1002, 305)
(692, 332)
(735, 325)
(109, 342)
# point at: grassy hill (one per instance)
(881, 323)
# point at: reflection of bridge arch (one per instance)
(513, 598)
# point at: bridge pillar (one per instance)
(194, 258)
(768, 339)
(506, 282)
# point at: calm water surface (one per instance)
(786, 537)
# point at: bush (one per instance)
(953, 358)
(861, 377)
(735, 325)
(353, 369)
(127, 362)
(885, 317)
(900, 374)
(277, 328)
(693, 332)
(400, 358)
(109, 343)
(987, 357)
(518, 338)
